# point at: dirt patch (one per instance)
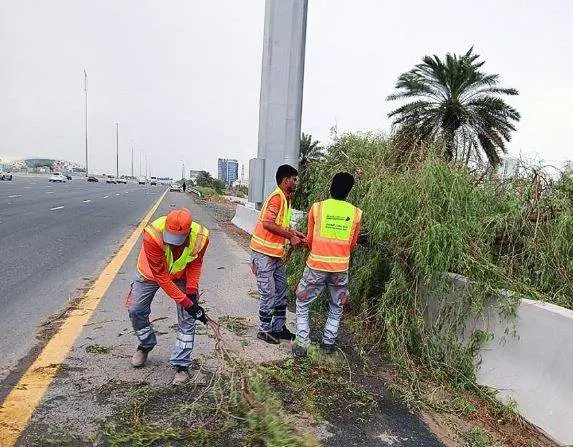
(223, 212)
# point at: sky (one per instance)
(182, 78)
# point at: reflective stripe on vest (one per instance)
(198, 236)
(262, 240)
(335, 223)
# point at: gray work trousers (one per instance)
(142, 293)
(272, 285)
(311, 284)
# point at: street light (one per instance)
(116, 150)
(86, 95)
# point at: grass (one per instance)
(478, 437)
(223, 414)
(236, 325)
(97, 349)
(425, 218)
(206, 192)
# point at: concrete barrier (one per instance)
(535, 367)
(235, 199)
(529, 359)
(246, 217)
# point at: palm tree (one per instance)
(204, 179)
(453, 101)
(309, 150)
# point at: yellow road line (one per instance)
(17, 409)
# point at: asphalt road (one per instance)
(54, 239)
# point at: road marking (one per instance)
(117, 194)
(49, 192)
(105, 197)
(56, 208)
(13, 196)
(17, 409)
(86, 201)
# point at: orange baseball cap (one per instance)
(177, 226)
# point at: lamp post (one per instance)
(86, 100)
(116, 150)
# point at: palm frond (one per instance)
(452, 99)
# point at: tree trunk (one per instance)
(449, 130)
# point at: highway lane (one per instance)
(55, 238)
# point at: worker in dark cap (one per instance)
(333, 228)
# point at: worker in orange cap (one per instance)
(171, 258)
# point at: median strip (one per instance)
(17, 409)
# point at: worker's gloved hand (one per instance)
(197, 312)
(194, 298)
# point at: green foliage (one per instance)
(309, 151)
(97, 349)
(205, 179)
(478, 437)
(269, 424)
(428, 219)
(206, 192)
(454, 102)
(235, 407)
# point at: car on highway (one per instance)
(153, 181)
(111, 179)
(121, 180)
(91, 178)
(175, 187)
(5, 176)
(57, 177)
(141, 180)
(68, 176)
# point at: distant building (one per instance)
(193, 175)
(228, 170)
(242, 180)
(509, 168)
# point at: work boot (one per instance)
(284, 334)
(298, 350)
(329, 348)
(268, 337)
(140, 357)
(181, 376)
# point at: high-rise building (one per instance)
(194, 174)
(509, 168)
(228, 170)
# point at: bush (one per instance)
(426, 218)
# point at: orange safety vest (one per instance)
(335, 223)
(265, 242)
(198, 236)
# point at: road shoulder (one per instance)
(257, 390)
